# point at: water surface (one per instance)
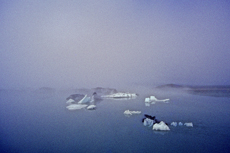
(40, 122)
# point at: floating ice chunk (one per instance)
(134, 95)
(92, 99)
(84, 100)
(136, 112)
(148, 122)
(128, 112)
(147, 100)
(120, 95)
(91, 107)
(75, 97)
(153, 99)
(147, 104)
(161, 126)
(87, 99)
(75, 106)
(188, 124)
(70, 101)
(174, 124)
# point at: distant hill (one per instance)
(208, 90)
(189, 87)
(166, 86)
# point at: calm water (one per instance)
(32, 122)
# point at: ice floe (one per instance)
(91, 107)
(85, 99)
(161, 126)
(174, 124)
(157, 125)
(148, 122)
(79, 101)
(75, 106)
(70, 101)
(128, 112)
(121, 95)
(153, 99)
(75, 97)
(189, 124)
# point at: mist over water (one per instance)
(49, 49)
(64, 44)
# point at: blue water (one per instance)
(40, 122)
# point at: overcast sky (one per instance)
(89, 43)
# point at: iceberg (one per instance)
(153, 98)
(80, 101)
(75, 97)
(95, 97)
(75, 106)
(128, 112)
(70, 101)
(147, 100)
(91, 107)
(161, 126)
(188, 124)
(81, 98)
(174, 124)
(148, 122)
(85, 99)
(121, 95)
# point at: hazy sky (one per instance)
(89, 43)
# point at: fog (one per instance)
(69, 43)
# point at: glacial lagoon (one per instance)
(40, 122)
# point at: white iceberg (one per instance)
(121, 95)
(188, 124)
(153, 100)
(147, 100)
(128, 112)
(135, 112)
(75, 106)
(85, 99)
(91, 107)
(70, 101)
(79, 98)
(161, 126)
(180, 123)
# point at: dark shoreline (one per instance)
(209, 90)
(190, 87)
